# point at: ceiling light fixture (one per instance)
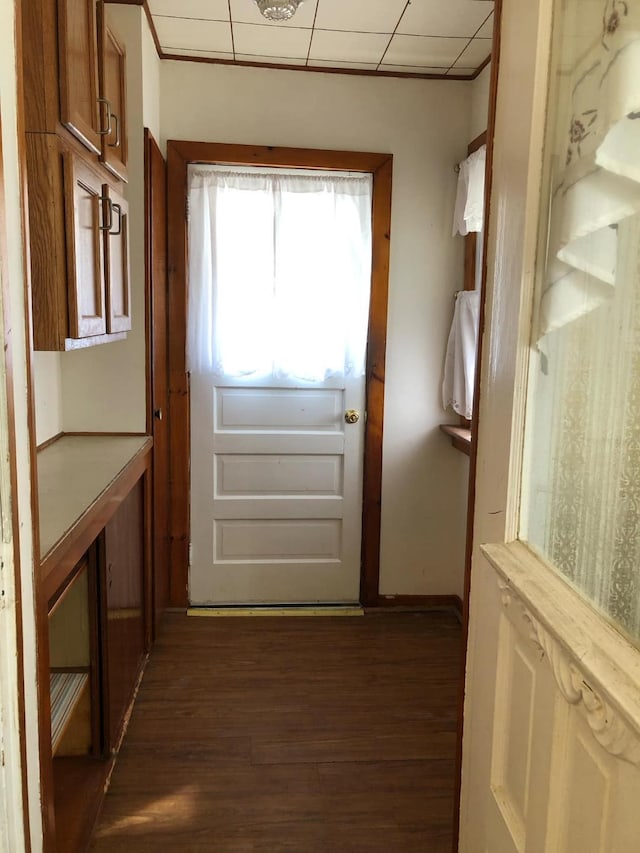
(278, 10)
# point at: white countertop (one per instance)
(72, 473)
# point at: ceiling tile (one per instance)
(195, 34)
(475, 54)
(414, 69)
(348, 47)
(271, 60)
(269, 41)
(246, 12)
(486, 30)
(333, 63)
(453, 18)
(204, 54)
(212, 10)
(365, 16)
(416, 50)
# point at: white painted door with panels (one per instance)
(276, 459)
(551, 745)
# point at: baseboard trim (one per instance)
(421, 602)
(295, 610)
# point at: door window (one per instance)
(280, 273)
(581, 500)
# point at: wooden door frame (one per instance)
(179, 155)
(11, 502)
(157, 369)
(475, 418)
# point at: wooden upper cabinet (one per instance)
(118, 288)
(87, 215)
(80, 108)
(112, 77)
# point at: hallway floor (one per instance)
(300, 734)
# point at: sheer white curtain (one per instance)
(279, 273)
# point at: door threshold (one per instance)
(279, 610)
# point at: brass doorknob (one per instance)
(352, 416)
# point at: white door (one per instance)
(277, 452)
(551, 745)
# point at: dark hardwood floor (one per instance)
(291, 734)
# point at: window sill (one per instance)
(460, 437)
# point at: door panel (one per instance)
(112, 67)
(85, 249)
(276, 494)
(79, 70)
(273, 474)
(118, 285)
(278, 409)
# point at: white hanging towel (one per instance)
(460, 360)
(469, 210)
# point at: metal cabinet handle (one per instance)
(117, 207)
(108, 225)
(107, 103)
(115, 118)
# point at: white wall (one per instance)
(47, 384)
(480, 103)
(425, 124)
(150, 81)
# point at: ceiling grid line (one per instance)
(233, 46)
(398, 38)
(386, 50)
(313, 26)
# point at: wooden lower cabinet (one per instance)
(97, 646)
(125, 650)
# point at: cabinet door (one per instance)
(78, 52)
(124, 567)
(112, 68)
(86, 219)
(117, 264)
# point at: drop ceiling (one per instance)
(443, 38)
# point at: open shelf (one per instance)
(67, 689)
(460, 436)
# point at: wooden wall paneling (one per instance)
(157, 364)
(47, 247)
(40, 65)
(376, 353)
(179, 155)
(475, 424)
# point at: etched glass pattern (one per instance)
(581, 498)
